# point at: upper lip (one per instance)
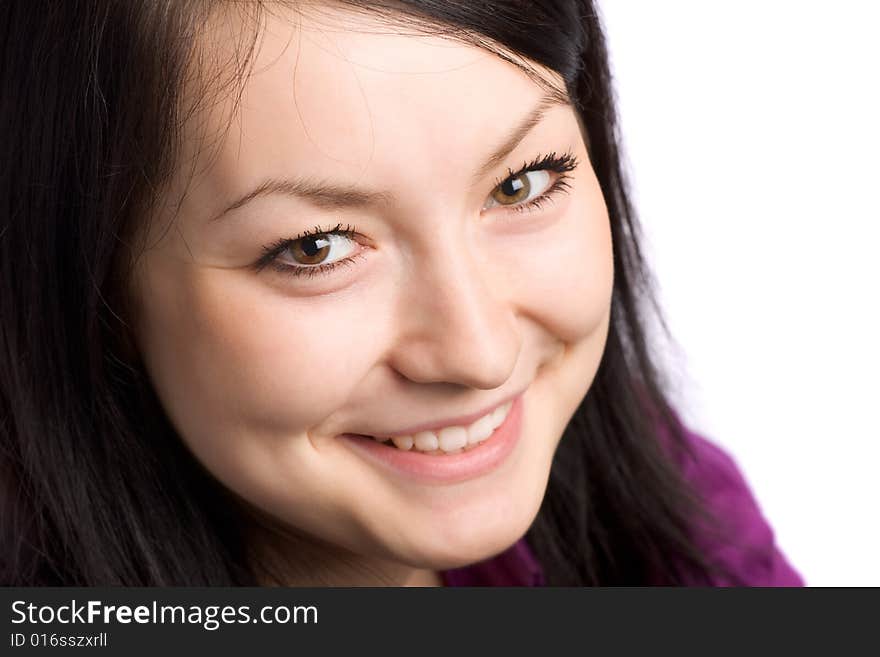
(459, 421)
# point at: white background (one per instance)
(751, 130)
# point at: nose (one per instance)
(456, 320)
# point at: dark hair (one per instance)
(95, 486)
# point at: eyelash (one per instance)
(551, 162)
(275, 249)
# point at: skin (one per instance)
(452, 307)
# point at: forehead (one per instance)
(347, 96)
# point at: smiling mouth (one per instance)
(452, 439)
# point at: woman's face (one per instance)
(451, 295)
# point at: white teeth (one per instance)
(426, 441)
(453, 439)
(499, 414)
(403, 442)
(481, 429)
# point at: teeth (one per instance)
(481, 429)
(450, 440)
(403, 442)
(499, 414)
(426, 441)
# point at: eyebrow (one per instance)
(333, 197)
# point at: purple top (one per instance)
(750, 554)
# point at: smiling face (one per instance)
(453, 283)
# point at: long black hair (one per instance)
(95, 486)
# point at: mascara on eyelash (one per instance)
(276, 248)
(549, 162)
(315, 270)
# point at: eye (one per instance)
(317, 249)
(314, 252)
(534, 184)
(521, 188)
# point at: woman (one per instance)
(336, 293)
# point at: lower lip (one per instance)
(446, 468)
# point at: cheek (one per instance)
(567, 283)
(227, 351)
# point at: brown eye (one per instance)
(522, 187)
(512, 190)
(310, 250)
(318, 249)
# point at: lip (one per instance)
(445, 468)
(459, 421)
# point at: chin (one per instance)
(454, 534)
(467, 537)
